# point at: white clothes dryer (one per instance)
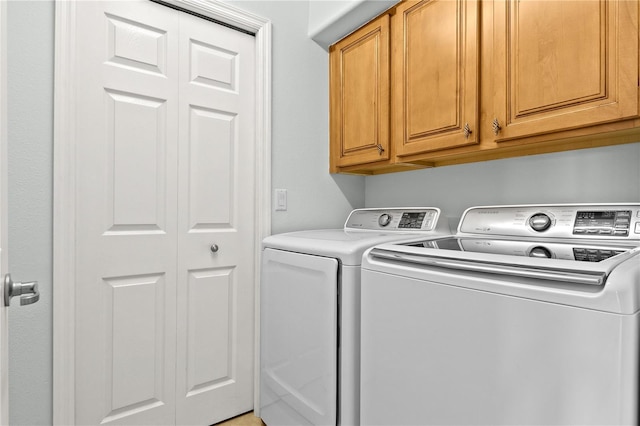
(310, 314)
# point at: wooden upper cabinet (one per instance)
(561, 65)
(553, 76)
(434, 75)
(359, 96)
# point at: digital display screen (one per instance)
(412, 220)
(410, 216)
(615, 221)
(608, 216)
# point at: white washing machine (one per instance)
(310, 314)
(528, 315)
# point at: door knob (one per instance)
(29, 290)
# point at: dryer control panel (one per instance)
(395, 219)
(593, 221)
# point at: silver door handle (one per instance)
(29, 290)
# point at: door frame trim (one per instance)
(64, 183)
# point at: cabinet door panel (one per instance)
(435, 75)
(360, 96)
(563, 65)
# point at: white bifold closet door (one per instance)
(165, 126)
(215, 207)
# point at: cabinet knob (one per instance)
(467, 131)
(214, 248)
(380, 149)
(495, 125)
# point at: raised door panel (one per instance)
(136, 147)
(563, 65)
(435, 75)
(134, 344)
(210, 328)
(360, 96)
(126, 173)
(216, 181)
(212, 167)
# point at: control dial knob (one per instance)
(540, 222)
(384, 219)
(540, 252)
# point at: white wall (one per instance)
(299, 158)
(609, 174)
(30, 109)
(300, 148)
(330, 20)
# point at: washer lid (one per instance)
(609, 284)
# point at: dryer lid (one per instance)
(364, 228)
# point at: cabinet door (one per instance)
(564, 64)
(435, 75)
(359, 91)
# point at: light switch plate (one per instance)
(281, 199)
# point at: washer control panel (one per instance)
(608, 222)
(595, 221)
(395, 219)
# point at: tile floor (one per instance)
(247, 419)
